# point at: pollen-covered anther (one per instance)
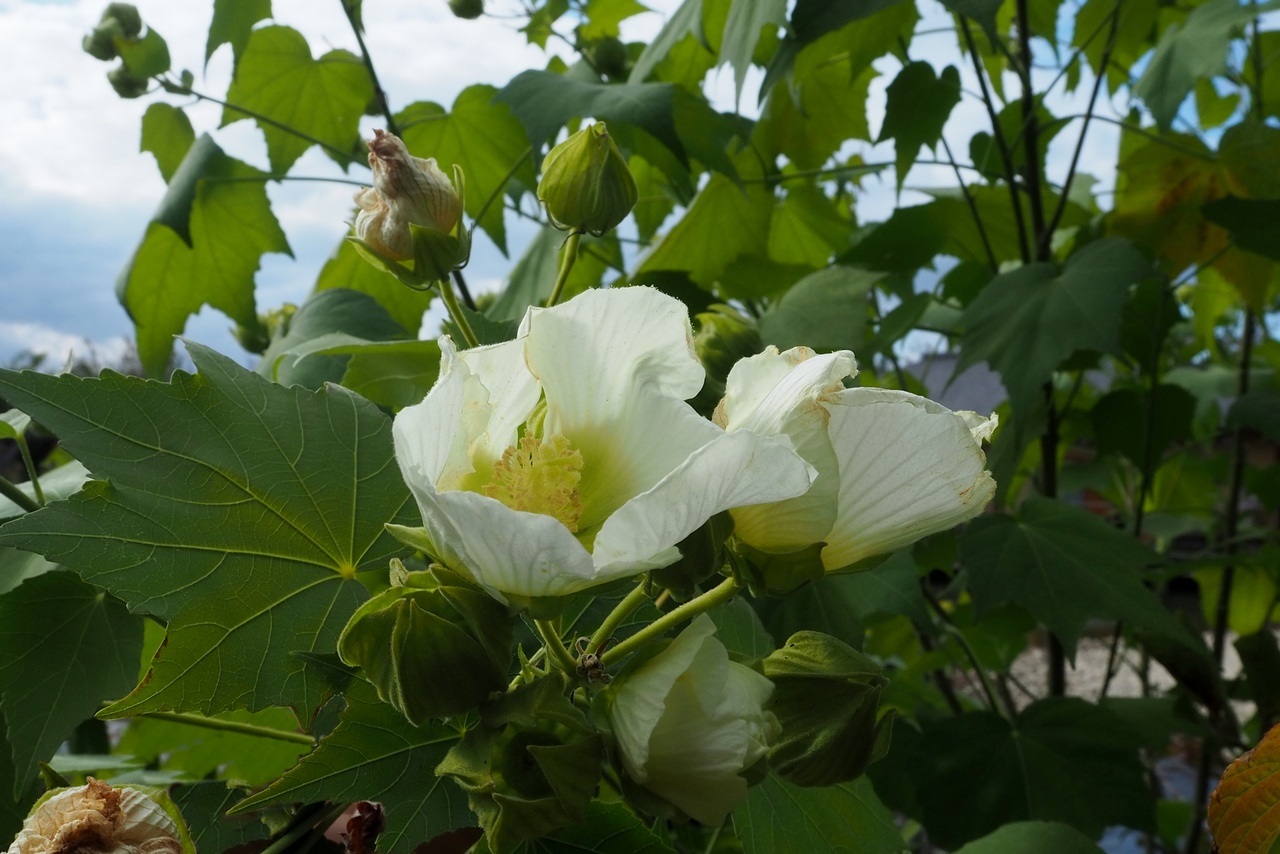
(540, 477)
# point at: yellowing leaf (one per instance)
(1244, 811)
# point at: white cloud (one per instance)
(56, 348)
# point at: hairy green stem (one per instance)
(17, 496)
(620, 612)
(555, 646)
(717, 595)
(568, 257)
(238, 727)
(455, 312)
(464, 290)
(32, 473)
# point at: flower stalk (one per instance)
(718, 595)
(620, 612)
(568, 257)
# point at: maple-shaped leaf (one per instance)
(1244, 810)
(919, 103)
(234, 510)
(374, 754)
(317, 101)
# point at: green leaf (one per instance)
(393, 374)
(198, 752)
(811, 122)
(807, 228)
(981, 11)
(1259, 410)
(603, 17)
(977, 771)
(1132, 40)
(742, 31)
(374, 754)
(655, 202)
(826, 310)
(1122, 424)
(1254, 224)
(779, 818)
(13, 810)
(335, 311)
(1042, 837)
(204, 807)
(320, 100)
(167, 133)
(144, 57)
(1026, 322)
(533, 275)
(812, 19)
(905, 242)
(346, 269)
(64, 648)
(1195, 49)
(17, 566)
(232, 23)
(609, 828)
(226, 517)
(918, 105)
(484, 137)
(202, 247)
(687, 19)
(1065, 566)
(740, 630)
(1213, 109)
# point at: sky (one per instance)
(76, 193)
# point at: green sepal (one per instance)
(531, 768)
(826, 697)
(702, 554)
(768, 574)
(406, 275)
(414, 538)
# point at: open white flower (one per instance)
(893, 467)
(568, 457)
(689, 722)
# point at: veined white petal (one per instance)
(909, 467)
(431, 436)
(513, 394)
(733, 470)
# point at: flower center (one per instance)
(540, 477)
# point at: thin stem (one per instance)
(285, 843)
(379, 96)
(502, 185)
(238, 727)
(345, 156)
(1061, 207)
(1002, 144)
(462, 288)
(455, 312)
(1153, 137)
(717, 595)
(939, 676)
(568, 257)
(262, 179)
(955, 634)
(973, 209)
(33, 474)
(17, 496)
(1031, 132)
(555, 646)
(620, 612)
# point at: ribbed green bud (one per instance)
(724, 336)
(432, 645)
(101, 43)
(467, 9)
(126, 83)
(586, 184)
(826, 697)
(531, 768)
(128, 16)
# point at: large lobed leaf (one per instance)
(237, 511)
(779, 818)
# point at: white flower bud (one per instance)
(406, 189)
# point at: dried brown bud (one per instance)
(406, 189)
(98, 817)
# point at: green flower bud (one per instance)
(128, 17)
(586, 184)
(101, 43)
(826, 696)
(101, 817)
(467, 9)
(432, 645)
(126, 83)
(531, 768)
(724, 336)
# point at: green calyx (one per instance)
(826, 697)
(432, 645)
(586, 184)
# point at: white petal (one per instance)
(909, 467)
(733, 470)
(781, 393)
(513, 393)
(430, 436)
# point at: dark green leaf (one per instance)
(12, 809)
(17, 566)
(481, 135)
(977, 771)
(325, 313)
(1065, 566)
(610, 828)
(64, 648)
(225, 517)
(740, 630)
(1141, 425)
(826, 310)
(167, 133)
(1198, 48)
(982, 11)
(1042, 837)
(1254, 224)
(321, 100)
(918, 106)
(812, 19)
(202, 247)
(1259, 410)
(346, 269)
(1027, 321)
(376, 755)
(204, 807)
(904, 243)
(233, 20)
(779, 818)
